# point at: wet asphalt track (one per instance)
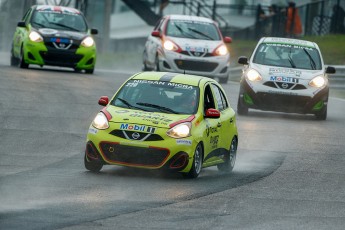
(289, 172)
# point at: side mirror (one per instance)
(227, 39)
(94, 31)
(212, 113)
(21, 24)
(330, 69)
(156, 33)
(104, 100)
(243, 60)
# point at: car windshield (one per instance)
(59, 20)
(192, 29)
(158, 96)
(287, 55)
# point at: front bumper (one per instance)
(213, 66)
(41, 53)
(304, 101)
(162, 154)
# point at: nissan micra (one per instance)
(285, 75)
(169, 121)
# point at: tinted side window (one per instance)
(208, 98)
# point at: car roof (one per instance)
(178, 78)
(189, 18)
(290, 41)
(62, 9)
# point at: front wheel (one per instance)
(241, 109)
(92, 166)
(223, 80)
(89, 71)
(229, 158)
(322, 115)
(197, 163)
(22, 63)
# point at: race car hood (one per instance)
(52, 33)
(267, 72)
(138, 117)
(196, 45)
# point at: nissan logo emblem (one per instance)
(136, 136)
(285, 85)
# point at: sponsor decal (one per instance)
(282, 92)
(290, 41)
(152, 117)
(121, 111)
(183, 142)
(93, 131)
(277, 71)
(214, 141)
(211, 130)
(283, 79)
(141, 128)
(163, 83)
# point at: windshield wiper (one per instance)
(201, 33)
(312, 62)
(63, 25)
(162, 108)
(290, 59)
(129, 105)
(39, 24)
(184, 32)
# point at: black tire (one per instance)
(241, 109)
(144, 68)
(223, 80)
(22, 63)
(14, 60)
(156, 64)
(92, 166)
(230, 158)
(89, 71)
(322, 115)
(197, 163)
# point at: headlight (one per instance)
(35, 37)
(169, 45)
(88, 42)
(221, 50)
(100, 121)
(253, 75)
(318, 82)
(180, 131)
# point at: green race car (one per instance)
(55, 36)
(169, 121)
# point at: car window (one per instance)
(192, 29)
(58, 20)
(26, 15)
(286, 55)
(208, 99)
(220, 98)
(158, 96)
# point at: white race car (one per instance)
(188, 44)
(285, 75)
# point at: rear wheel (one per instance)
(230, 158)
(92, 166)
(197, 163)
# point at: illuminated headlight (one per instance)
(221, 50)
(253, 75)
(318, 82)
(100, 121)
(88, 42)
(180, 131)
(35, 37)
(169, 45)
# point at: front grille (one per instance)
(132, 135)
(283, 85)
(196, 65)
(196, 54)
(282, 102)
(61, 58)
(133, 155)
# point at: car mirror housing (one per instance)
(212, 113)
(156, 33)
(104, 100)
(21, 24)
(94, 31)
(330, 70)
(227, 39)
(243, 60)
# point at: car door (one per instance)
(227, 123)
(212, 131)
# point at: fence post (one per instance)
(214, 10)
(321, 17)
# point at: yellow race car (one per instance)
(168, 121)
